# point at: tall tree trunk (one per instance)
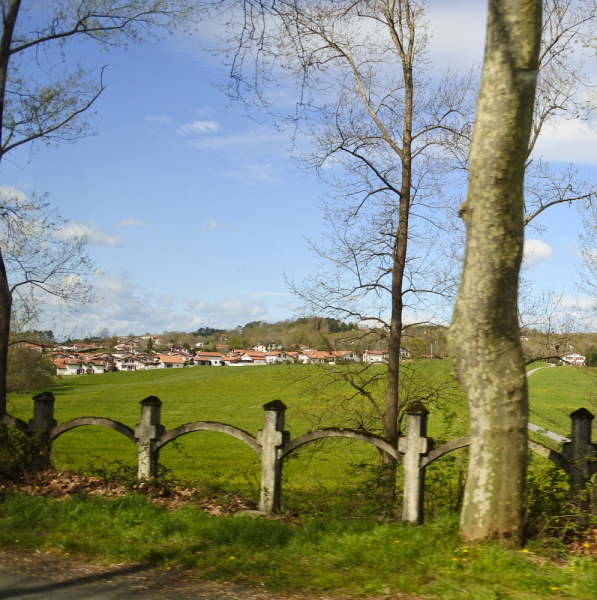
(390, 423)
(9, 19)
(484, 338)
(5, 310)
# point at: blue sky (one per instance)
(195, 212)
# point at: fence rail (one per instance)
(415, 450)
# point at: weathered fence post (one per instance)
(271, 437)
(146, 434)
(39, 428)
(580, 453)
(413, 445)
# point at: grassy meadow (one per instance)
(230, 395)
(321, 551)
(236, 395)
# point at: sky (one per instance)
(195, 212)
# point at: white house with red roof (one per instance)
(375, 356)
(573, 359)
(277, 356)
(208, 359)
(346, 355)
(168, 361)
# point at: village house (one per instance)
(374, 356)
(260, 348)
(277, 356)
(244, 357)
(208, 359)
(318, 357)
(96, 366)
(170, 362)
(346, 355)
(129, 363)
(69, 366)
(573, 359)
(33, 347)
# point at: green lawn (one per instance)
(236, 395)
(322, 557)
(229, 395)
(555, 392)
(354, 556)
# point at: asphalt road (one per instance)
(29, 576)
(27, 587)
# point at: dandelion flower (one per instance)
(525, 550)
(554, 588)
(587, 545)
(232, 558)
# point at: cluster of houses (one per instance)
(128, 355)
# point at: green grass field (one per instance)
(236, 395)
(357, 556)
(556, 392)
(347, 558)
(230, 395)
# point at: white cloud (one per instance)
(198, 127)
(95, 237)
(458, 34)
(254, 139)
(131, 223)
(536, 251)
(159, 119)
(228, 312)
(12, 195)
(211, 225)
(123, 307)
(569, 141)
(258, 173)
(581, 302)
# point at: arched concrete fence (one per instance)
(415, 450)
(239, 434)
(339, 432)
(127, 432)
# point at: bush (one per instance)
(28, 370)
(16, 451)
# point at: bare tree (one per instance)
(40, 265)
(38, 103)
(484, 336)
(380, 134)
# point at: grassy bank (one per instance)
(348, 557)
(230, 395)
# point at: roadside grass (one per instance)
(554, 393)
(360, 557)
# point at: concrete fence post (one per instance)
(413, 445)
(146, 434)
(39, 429)
(271, 437)
(580, 453)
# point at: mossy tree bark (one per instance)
(484, 338)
